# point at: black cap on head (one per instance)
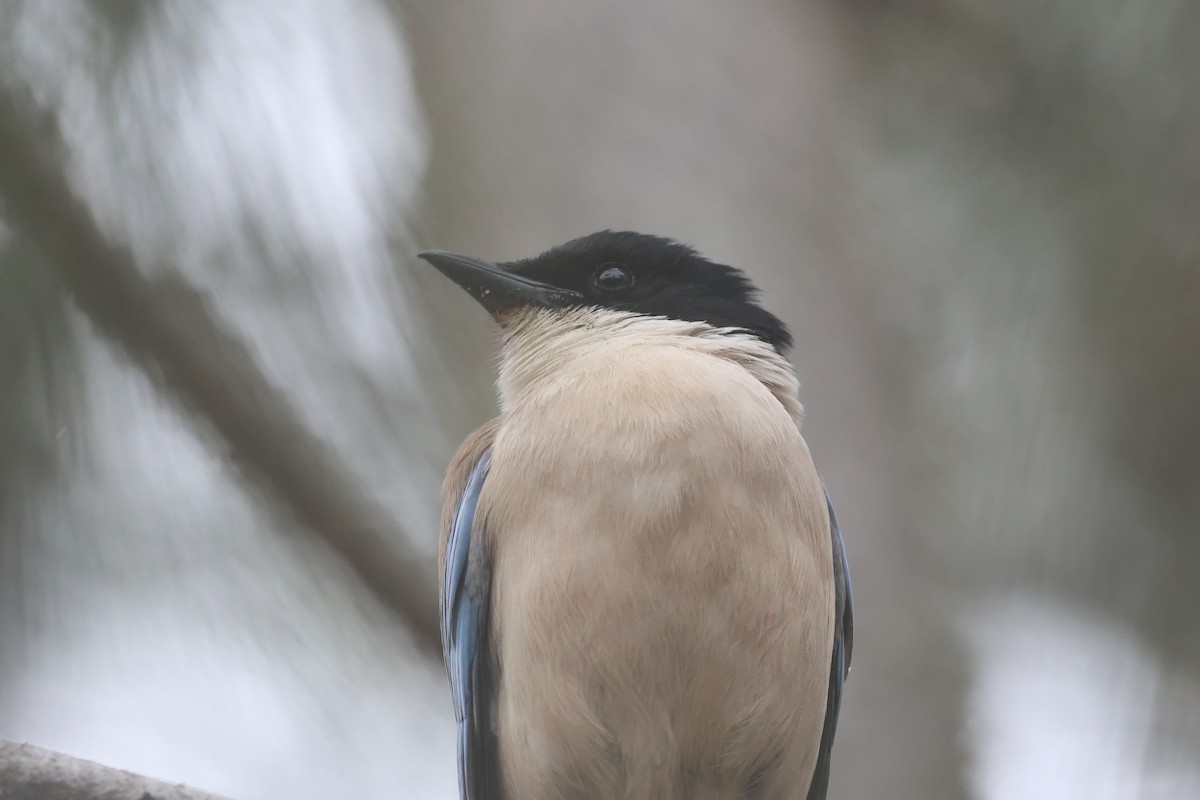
(624, 271)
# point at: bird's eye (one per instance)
(612, 278)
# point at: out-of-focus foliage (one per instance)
(979, 217)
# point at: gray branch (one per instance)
(31, 773)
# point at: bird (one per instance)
(644, 589)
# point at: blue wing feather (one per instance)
(839, 668)
(845, 595)
(466, 591)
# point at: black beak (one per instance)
(495, 288)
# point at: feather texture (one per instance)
(839, 668)
(465, 618)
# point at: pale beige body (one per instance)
(663, 594)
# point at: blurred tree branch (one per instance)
(31, 773)
(169, 330)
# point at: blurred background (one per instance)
(228, 390)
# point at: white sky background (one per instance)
(267, 151)
(171, 627)
(1062, 706)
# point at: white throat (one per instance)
(539, 342)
